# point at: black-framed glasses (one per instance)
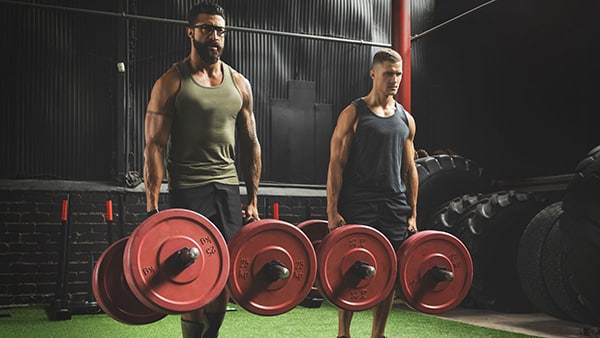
(207, 29)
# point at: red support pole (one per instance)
(401, 44)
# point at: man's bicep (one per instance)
(343, 135)
(157, 129)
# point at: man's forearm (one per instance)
(252, 166)
(153, 175)
(412, 189)
(334, 186)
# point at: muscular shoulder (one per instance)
(241, 82)
(349, 111)
(168, 84)
(411, 123)
(164, 92)
(348, 119)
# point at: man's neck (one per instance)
(206, 74)
(199, 66)
(375, 99)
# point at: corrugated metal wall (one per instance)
(57, 101)
(69, 114)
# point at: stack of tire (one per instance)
(531, 251)
(559, 257)
(456, 196)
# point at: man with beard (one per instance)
(372, 177)
(195, 109)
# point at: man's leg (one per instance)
(381, 313)
(205, 322)
(215, 313)
(192, 324)
(344, 319)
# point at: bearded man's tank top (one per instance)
(201, 148)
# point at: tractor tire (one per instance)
(449, 214)
(442, 178)
(529, 261)
(492, 230)
(557, 278)
(581, 223)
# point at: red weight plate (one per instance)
(112, 292)
(315, 229)
(427, 250)
(159, 283)
(253, 249)
(338, 253)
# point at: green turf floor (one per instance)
(300, 322)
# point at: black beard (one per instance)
(206, 55)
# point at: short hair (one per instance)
(205, 7)
(386, 55)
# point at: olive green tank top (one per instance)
(201, 148)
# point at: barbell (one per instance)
(177, 261)
(358, 267)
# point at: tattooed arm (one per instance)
(159, 118)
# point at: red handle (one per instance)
(109, 213)
(65, 208)
(276, 210)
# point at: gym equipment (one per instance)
(435, 271)
(434, 268)
(177, 261)
(60, 308)
(112, 292)
(357, 267)
(316, 230)
(273, 267)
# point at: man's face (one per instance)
(208, 37)
(387, 76)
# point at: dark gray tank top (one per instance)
(375, 162)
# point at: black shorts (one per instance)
(219, 203)
(388, 215)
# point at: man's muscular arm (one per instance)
(250, 151)
(341, 141)
(409, 174)
(157, 127)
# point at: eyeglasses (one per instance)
(209, 29)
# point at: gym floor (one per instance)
(533, 324)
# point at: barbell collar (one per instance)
(184, 257)
(440, 274)
(363, 270)
(276, 271)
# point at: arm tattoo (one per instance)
(160, 113)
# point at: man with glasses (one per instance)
(195, 110)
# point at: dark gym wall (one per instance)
(512, 86)
(58, 93)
